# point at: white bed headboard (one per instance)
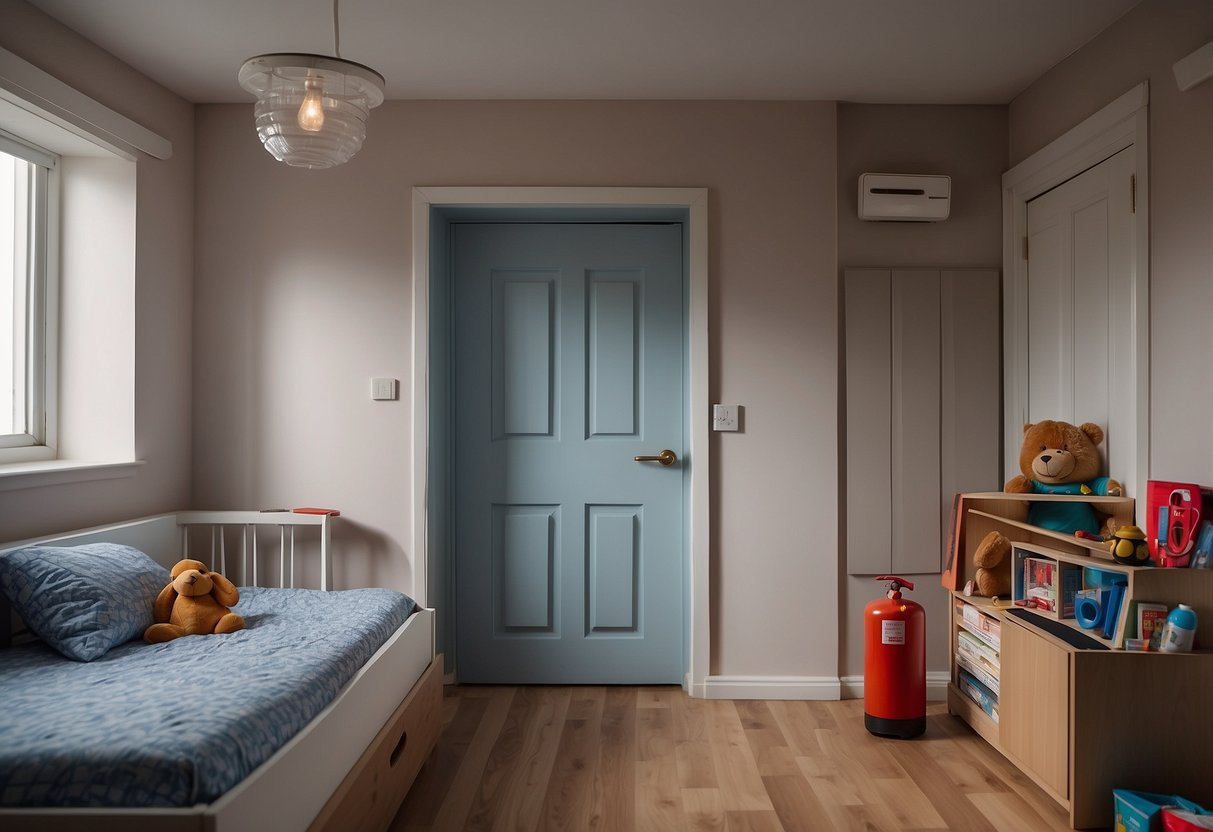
(250, 547)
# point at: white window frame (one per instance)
(41, 375)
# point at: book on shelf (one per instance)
(1150, 618)
(978, 650)
(1038, 588)
(985, 698)
(978, 671)
(1071, 584)
(988, 628)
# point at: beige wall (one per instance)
(970, 145)
(163, 278)
(1142, 46)
(303, 290)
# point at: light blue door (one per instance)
(568, 363)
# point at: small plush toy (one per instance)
(194, 603)
(1060, 458)
(1128, 546)
(993, 576)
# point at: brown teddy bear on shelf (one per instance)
(195, 602)
(1060, 458)
(990, 554)
(1055, 458)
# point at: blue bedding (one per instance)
(180, 723)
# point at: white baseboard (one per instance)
(937, 686)
(770, 687)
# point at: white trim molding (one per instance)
(1121, 124)
(35, 90)
(695, 202)
(772, 687)
(937, 686)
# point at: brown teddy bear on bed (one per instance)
(195, 602)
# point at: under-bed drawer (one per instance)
(372, 792)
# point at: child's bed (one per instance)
(317, 715)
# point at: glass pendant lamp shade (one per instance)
(311, 110)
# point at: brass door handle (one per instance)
(666, 457)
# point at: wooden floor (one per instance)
(629, 758)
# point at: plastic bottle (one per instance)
(1179, 631)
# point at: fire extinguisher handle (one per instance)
(901, 581)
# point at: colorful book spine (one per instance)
(978, 649)
(1071, 583)
(985, 627)
(986, 699)
(980, 673)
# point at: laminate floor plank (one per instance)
(795, 803)
(703, 810)
(568, 802)
(613, 801)
(467, 780)
(433, 782)
(767, 742)
(621, 759)
(939, 785)
(736, 769)
(522, 807)
(658, 797)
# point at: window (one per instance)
(26, 180)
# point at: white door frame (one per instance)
(695, 202)
(1123, 123)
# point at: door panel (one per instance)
(1034, 705)
(915, 421)
(524, 545)
(523, 354)
(1080, 310)
(612, 355)
(568, 362)
(613, 551)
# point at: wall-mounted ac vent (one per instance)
(904, 198)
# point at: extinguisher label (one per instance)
(892, 632)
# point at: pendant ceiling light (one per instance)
(312, 110)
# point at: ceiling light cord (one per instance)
(336, 31)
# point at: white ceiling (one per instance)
(888, 51)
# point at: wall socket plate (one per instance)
(384, 389)
(724, 416)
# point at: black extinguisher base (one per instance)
(898, 729)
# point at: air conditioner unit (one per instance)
(904, 198)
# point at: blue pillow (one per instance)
(83, 600)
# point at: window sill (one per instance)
(20, 475)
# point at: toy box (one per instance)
(1142, 811)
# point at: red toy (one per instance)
(1173, 514)
(895, 664)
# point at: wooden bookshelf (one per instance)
(1082, 721)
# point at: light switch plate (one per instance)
(724, 417)
(384, 389)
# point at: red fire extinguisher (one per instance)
(895, 664)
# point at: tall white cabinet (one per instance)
(923, 401)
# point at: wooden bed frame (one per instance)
(349, 768)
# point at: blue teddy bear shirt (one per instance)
(1067, 517)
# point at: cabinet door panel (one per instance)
(869, 380)
(915, 422)
(1034, 705)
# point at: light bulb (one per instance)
(311, 111)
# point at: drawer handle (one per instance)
(398, 750)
